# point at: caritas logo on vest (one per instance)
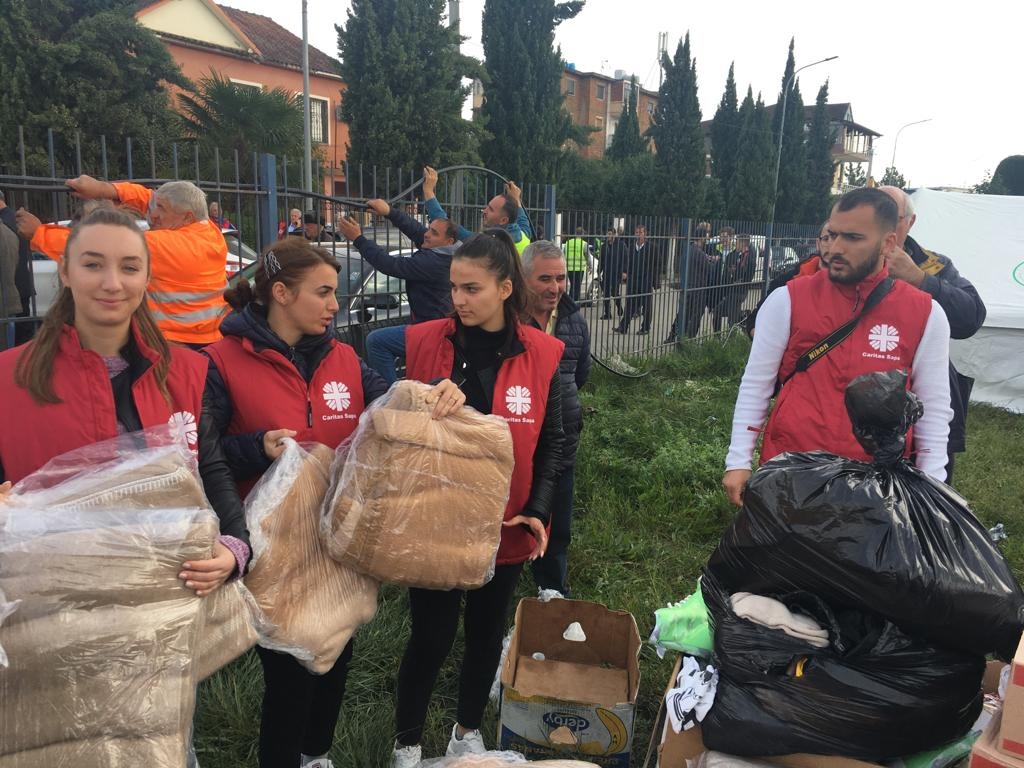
(884, 338)
(337, 397)
(519, 402)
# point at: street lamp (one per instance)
(778, 159)
(892, 163)
(306, 127)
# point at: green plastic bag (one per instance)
(683, 627)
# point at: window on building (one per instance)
(570, 86)
(612, 125)
(601, 91)
(319, 110)
(650, 108)
(245, 85)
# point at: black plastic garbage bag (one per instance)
(882, 537)
(873, 694)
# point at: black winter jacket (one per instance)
(572, 330)
(426, 272)
(244, 453)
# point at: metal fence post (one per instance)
(684, 271)
(550, 216)
(267, 200)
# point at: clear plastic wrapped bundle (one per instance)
(312, 603)
(419, 501)
(500, 760)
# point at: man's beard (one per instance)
(859, 273)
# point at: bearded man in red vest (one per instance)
(897, 326)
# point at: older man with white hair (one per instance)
(188, 255)
(935, 274)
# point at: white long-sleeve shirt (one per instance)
(929, 380)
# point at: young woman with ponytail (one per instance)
(279, 372)
(508, 369)
(99, 367)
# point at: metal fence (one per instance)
(680, 293)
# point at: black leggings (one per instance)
(435, 620)
(300, 709)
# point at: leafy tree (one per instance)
(627, 140)
(81, 66)
(678, 137)
(893, 178)
(789, 205)
(725, 134)
(1010, 175)
(404, 96)
(855, 175)
(989, 186)
(820, 167)
(751, 197)
(524, 110)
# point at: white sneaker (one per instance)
(406, 757)
(471, 743)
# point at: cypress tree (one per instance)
(789, 205)
(403, 70)
(524, 110)
(678, 137)
(755, 163)
(820, 167)
(725, 132)
(627, 140)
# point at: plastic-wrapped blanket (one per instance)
(420, 501)
(312, 604)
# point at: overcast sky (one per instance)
(959, 65)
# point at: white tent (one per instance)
(984, 236)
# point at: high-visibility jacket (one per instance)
(33, 434)
(522, 243)
(575, 255)
(186, 288)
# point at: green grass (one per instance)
(649, 510)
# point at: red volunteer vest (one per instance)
(810, 414)
(32, 434)
(268, 392)
(520, 397)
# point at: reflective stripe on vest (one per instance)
(576, 255)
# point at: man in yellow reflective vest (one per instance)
(576, 251)
(188, 255)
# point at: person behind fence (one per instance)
(99, 367)
(425, 273)
(696, 269)
(935, 274)
(737, 272)
(509, 369)
(641, 279)
(576, 251)
(218, 217)
(551, 310)
(10, 299)
(611, 269)
(22, 275)
(504, 211)
(293, 226)
(189, 254)
(889, 324)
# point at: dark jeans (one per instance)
(611, 294)
(949, 469)
(575, 282)
(638, 305)
(435, 620)
(300, 709)
(549, 572)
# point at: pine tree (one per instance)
(893, 178)
(855, 175)
(755, 163)
(678, 137)
(524, 110)
(627, 140)
(820, 166)
(81, 66)
(789, 204)
(404, 96)
(725, 133)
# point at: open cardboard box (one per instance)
(579, 698)
(676, 748)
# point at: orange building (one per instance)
(597, 101)
(254, 51)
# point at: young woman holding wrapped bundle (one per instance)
(280, 373)
(99, 367)
(510, 370)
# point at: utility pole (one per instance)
(662, 50)
(307, 181)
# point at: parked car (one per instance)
(240, 255)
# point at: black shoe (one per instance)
(669, 340)
(643, 331)
(605, 316)
(618, 329)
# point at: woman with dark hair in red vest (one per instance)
(99, 367)
(279, 372)
(508, 369)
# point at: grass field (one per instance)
(649, 511)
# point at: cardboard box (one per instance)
(986, 753)
(580, 698)
(1011, 737)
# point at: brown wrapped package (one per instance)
(419, 501)
(312, 603)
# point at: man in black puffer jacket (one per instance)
(553, 311)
